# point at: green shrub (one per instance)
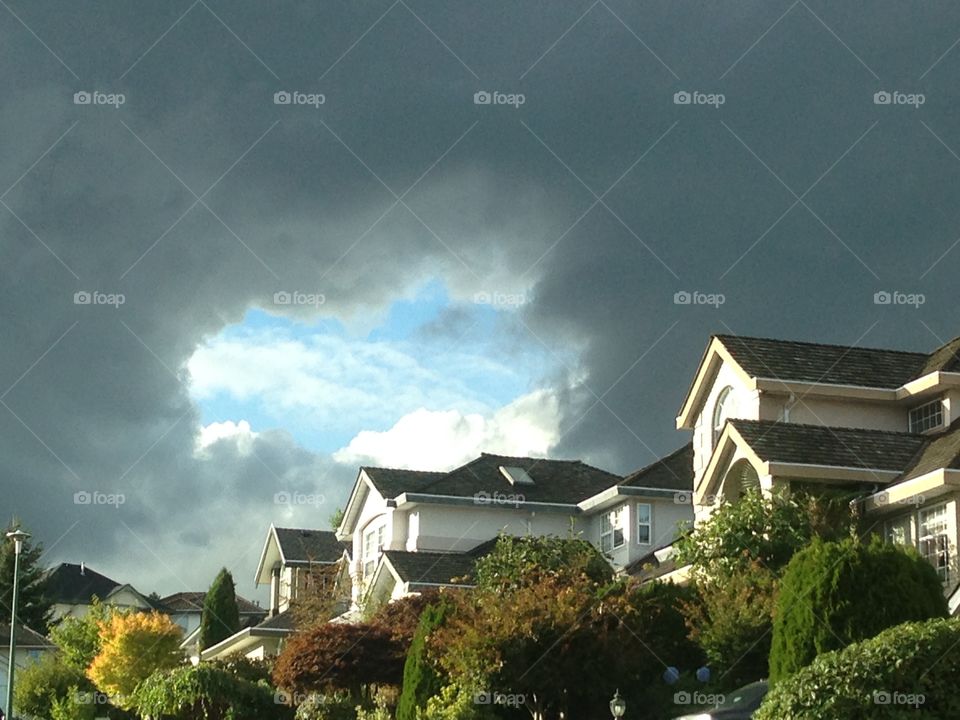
(833, 594)
(339, 706)
(908, 671)
(455, 702)
(72, 706)
(42, 683)
(421, 680)
(209, 693)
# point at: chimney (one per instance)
(83, 568)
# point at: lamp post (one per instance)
(18, 536)
(618, 706)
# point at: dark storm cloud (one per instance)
(199, 197)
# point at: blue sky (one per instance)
(368, 375)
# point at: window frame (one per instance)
(611, 523)
(719, 418)
(938, 539)
(920, 419)
(645, 524)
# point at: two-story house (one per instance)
(884, 423)
(294, 562)
(411, 530)
(72, 587)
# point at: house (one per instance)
(294, 562)
(72, 588)
(31, 646)
(412, 529)
(186, 609)
(883, 424)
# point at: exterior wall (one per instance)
(373, 513)
(666, 520)
(839, 413)
(909, 519)
(744, 404)
(446, 528)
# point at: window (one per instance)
(611, 530)
(926, 417)
(720, 412)
(932, 539)
(372, 545)
(898, 531)
(644, 523)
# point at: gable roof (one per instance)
(302, 546)
(946, 358)
(26, 638)
(782, 442)
(72, 584)
(193, 602)
(789, 360)
(431, 568)
(940, 451)
(391, 482)
(672, 472)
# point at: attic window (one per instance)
(926, 417)
(516, 475)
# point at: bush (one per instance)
(421, 680)
(338, 706)
(41, 683)
(515, 561)
(208, 692)
(72, 706)
(456, 702)
(833, 594)
(907, 671)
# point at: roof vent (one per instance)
(83, 568)
(516, 475)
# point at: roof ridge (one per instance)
(821, 344)
(396, 469)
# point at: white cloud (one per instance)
(440, 440)
(240, 433)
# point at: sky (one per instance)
(248, 247)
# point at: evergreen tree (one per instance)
(33, 608)
(421, 680)
(221, 616)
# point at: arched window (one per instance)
(740, 478)
(720, 412)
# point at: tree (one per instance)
(561, 643)
(221, 616)
(515, 561)
(336, 517)
(207, 691)
(836, 593)
(33, 606)
(78, 638)
(421, 678)
(133, 647)
(904, 672)
(44, 682)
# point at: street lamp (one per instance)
(618, 706)
(18, 536)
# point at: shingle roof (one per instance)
(673, 472)
(831, 364)
(391, 482)
(831, 446)
(299, 545)
(940, 452)
(281, 621)
(25, 637)
(73, 584)
(432, 568)
(193, 602)
(946, 358)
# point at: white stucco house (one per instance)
(292, 559)
(882, 423)
(72, 588)
(409, 530)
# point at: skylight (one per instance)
(516, 475)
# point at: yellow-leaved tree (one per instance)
(132, 648)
